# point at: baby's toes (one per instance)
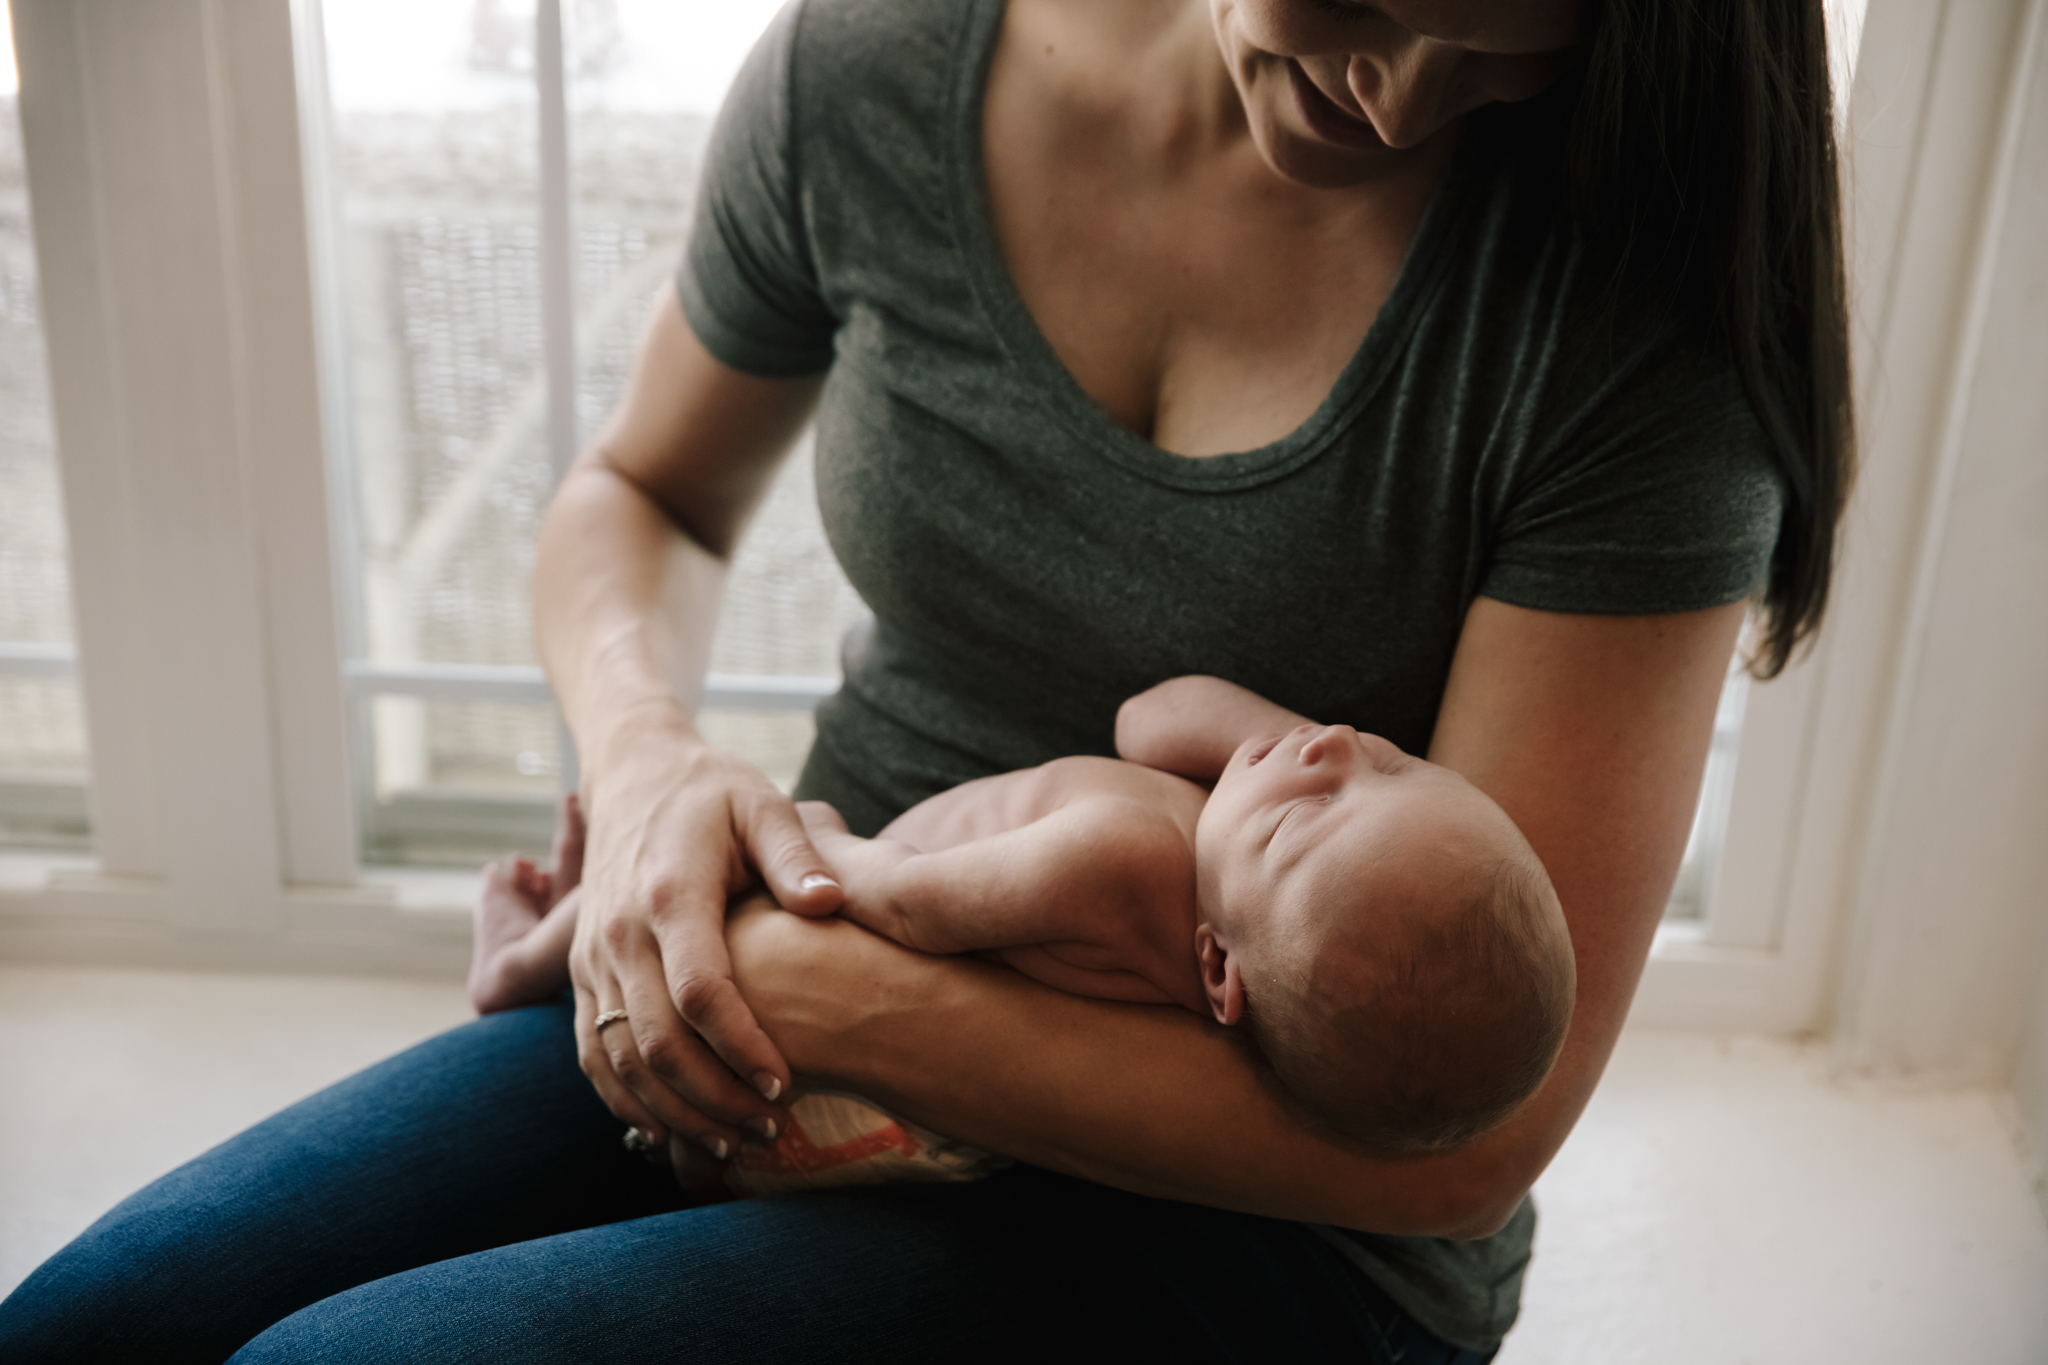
(525, 880)
(499, 878)
(569, 836)
(510, 886)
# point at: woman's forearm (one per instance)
(624, 607)
(1147, 1098)
(625, 592)
(632, 554)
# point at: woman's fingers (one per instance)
(623, 1067)
(650, 940)
(781, 851)
(596, 1065)
(820, 818)
(671, 1068)
(699, 982)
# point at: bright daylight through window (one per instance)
(434, 173)
(42, 728)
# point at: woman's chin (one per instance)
(1309, 161)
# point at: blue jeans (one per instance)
(469, 1200)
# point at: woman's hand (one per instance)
(676, 829)
(625, 592)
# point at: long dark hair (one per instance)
(1700, 161)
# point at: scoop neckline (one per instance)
(1060, 397)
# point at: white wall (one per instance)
(1946, 927)
(2030, 1083)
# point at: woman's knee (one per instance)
(483, 1135)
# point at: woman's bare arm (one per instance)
(625, 594)
(1590, 731)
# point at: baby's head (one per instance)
(1385, 934)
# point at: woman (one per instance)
(1457, 368)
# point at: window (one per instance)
(1692, 894)
(443, 121)
(43, 756)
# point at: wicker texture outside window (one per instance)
(441, 288)
(42, 729)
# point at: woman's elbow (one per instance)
(1453, 1205)
(1482, 1219)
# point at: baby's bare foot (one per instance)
(514, 898)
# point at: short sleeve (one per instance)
(1658, 494)
(748, 283)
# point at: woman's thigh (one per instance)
(484, 1136)
(1026, 1265)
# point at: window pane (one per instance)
(646, 77)
(436, 136)
(1693, 891)
(1690, 895)
(42, 728)
(488, 785)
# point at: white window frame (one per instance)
(562, 329)
(187, 367)
(186, 375)
(1937, 109)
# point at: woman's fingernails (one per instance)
(769, 1086)
(718, 1148)
(816, 880)
(765, 1127)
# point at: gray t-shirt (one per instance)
(1030, 564)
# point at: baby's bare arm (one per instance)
(1192, 725)
(1101, 878)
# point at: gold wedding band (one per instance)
(608, 1018)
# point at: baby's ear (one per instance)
(1220, 979)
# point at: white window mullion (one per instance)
(557, 274)
(81, 328)
(193, 599)
(270, 275)
(162, 149)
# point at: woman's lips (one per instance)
(1325, 119)
(1261, 749)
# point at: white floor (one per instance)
(1721, 1203)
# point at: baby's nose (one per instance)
(1328, 741)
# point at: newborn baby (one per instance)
(1379, 929)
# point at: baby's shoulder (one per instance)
(1085, 776)
(1129, 804)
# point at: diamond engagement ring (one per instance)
(608, 1018)
(635, 1140)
